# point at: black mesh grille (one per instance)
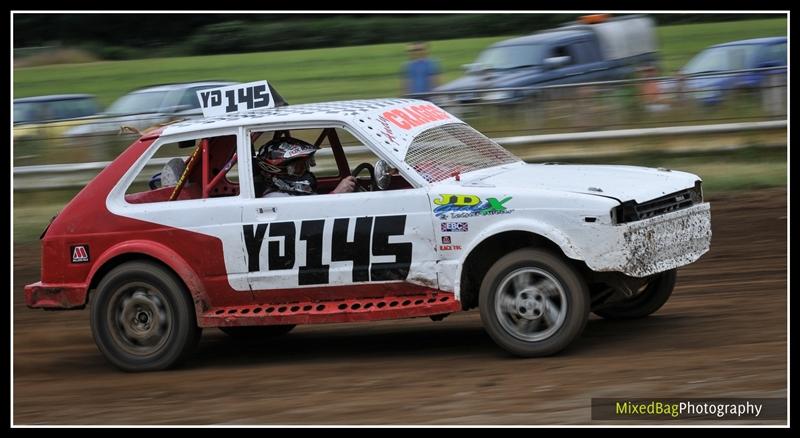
(666, 204)
(631, 211)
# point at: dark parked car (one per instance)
(715, 71)
(49, 116)
(594, 49)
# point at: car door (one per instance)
(594, 68)
(210, 212)
(363, 240)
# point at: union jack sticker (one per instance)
(80, 253)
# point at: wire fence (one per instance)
(645, 102)
(742, 95)
(76, 175)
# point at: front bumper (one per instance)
(55, 296)
(654, 245)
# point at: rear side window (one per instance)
(72, 108)
(193, 169)
(190, 98)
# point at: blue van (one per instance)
(590, 50)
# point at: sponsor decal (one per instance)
(80, 253)
(387, 130)
(446, 239)
(368, 241)
(235, 98)
(455, 227)
(294, 151)
(415, 115)
(459, 200)
(450, 247)
(463, 206)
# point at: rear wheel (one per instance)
(653, 295)
(142, 318)
(533, 303)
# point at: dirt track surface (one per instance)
(722, 334)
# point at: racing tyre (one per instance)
(533, 303)
(142, 318)
(251, 333)
(656, 292)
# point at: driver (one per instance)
(285, 164)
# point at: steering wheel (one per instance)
(371, 170)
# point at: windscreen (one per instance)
(507, 57)
(440, 152)
(721, 59)
(136, 103)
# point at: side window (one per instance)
(325, 164)
(186, 170)
(776, 53)
(338, 154)
(737, 58)
(46, 112)
(72, 108)
(559, 51)
(586, 52)
(190, 99)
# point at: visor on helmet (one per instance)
(298, 167)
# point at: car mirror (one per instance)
(556, 62)
(383, 175)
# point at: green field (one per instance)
(333, 74)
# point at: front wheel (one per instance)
(653, 295)
(142, 318)
(533, 303)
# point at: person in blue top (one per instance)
(421, 73)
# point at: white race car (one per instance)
(446, 220)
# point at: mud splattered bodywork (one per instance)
(653, 245)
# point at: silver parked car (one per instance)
(146, 107)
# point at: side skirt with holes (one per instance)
(320, 312)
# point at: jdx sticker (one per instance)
(370, 238)
(450, 206)
(235, 98)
